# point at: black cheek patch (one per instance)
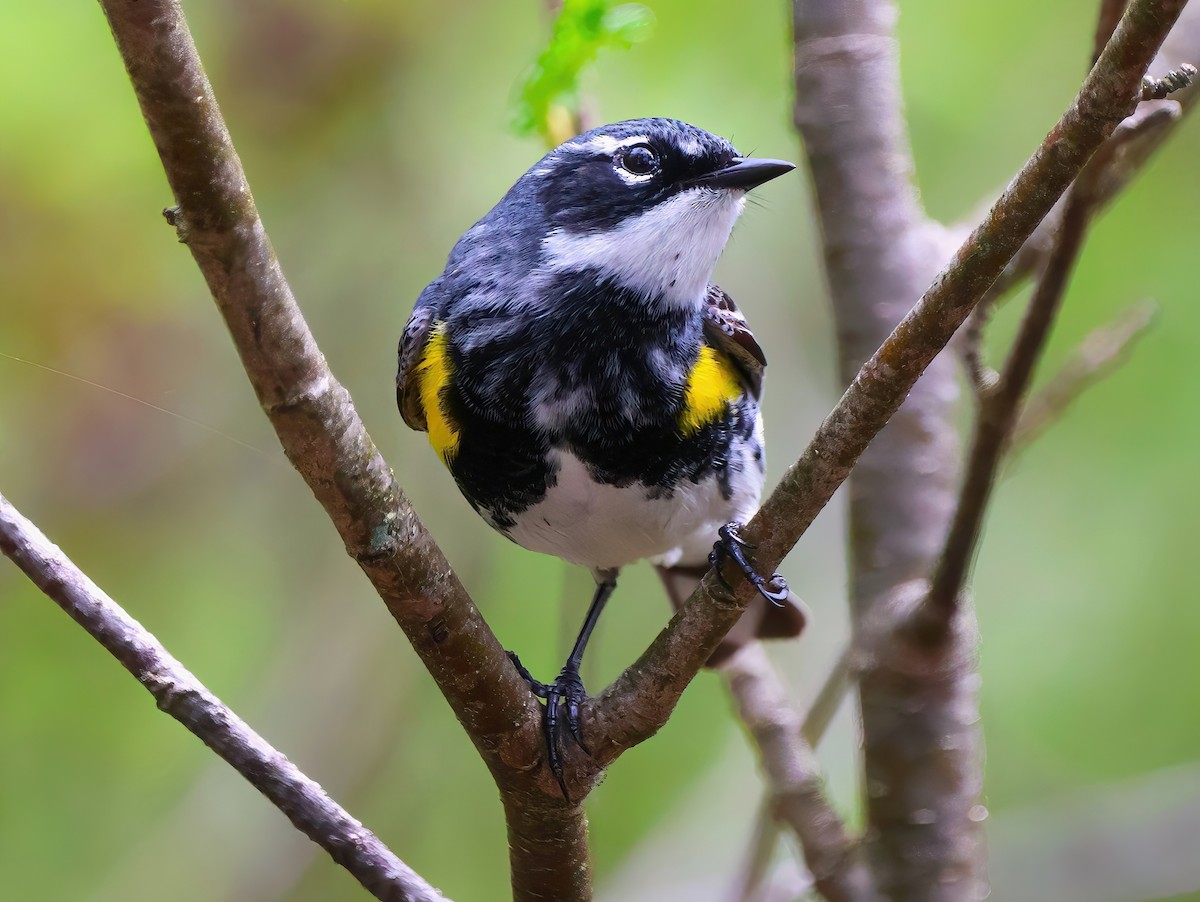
(591, 196)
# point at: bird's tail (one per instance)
(760, 620)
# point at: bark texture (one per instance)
(922, 745)
(881, 251)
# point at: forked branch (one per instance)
(1000, 402)
(641, 699)
(329, 445)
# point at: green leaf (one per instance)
(548, 96)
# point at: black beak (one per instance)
(743, 173)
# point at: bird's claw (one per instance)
(565, 695)
(731, 543)
(569, 689)
(537, 687)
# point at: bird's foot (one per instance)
(731, 543)
(563, 697)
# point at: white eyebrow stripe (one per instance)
(606, 143)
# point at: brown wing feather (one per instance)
(728, 331)
(759, 621)
(408, 386)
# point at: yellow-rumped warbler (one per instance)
(594, 396)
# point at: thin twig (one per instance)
(1101, 352)
(998, 414)
(1107, 174)
(1000, 404)
(828, 700)
(760, 851)
(182, 696)
(970, 346)
(797, 793)
(1181, 46)
(1175, 80)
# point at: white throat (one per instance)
(669, 251)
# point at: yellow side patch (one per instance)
(435, 372)
(711, 386)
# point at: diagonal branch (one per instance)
(1000, 402)
(1110, 14)
(311, 412)
(998, 414)
(181, 695)
(784, 736)
(797, 795)
(328, 444)
(1145, 131)
(641, 699)
(1102, 351)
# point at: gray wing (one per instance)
(727, 331)
(412, 346)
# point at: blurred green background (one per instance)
(374, 133)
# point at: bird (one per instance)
(592, 393)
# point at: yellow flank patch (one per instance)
(711, 386)
(435, 372)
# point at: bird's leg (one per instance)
(732, 544)
(567, 689)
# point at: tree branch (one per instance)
(326, 441)
(998, 414)
(1147, 129)
(1001, 401)
(328, 444)
(1109, 172)
(880, 252)
(755, 872)
(1110, 14)
(1099, 354)
(796, 790)
(759, 695)
(312, 414)
(641, 699)
(828, 700)
(182, 696)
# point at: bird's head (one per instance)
(646, 203)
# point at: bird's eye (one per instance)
(640, 160)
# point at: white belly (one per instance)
(605, 526)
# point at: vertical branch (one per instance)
(881, 251)
(918, 688)
(547, 850)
